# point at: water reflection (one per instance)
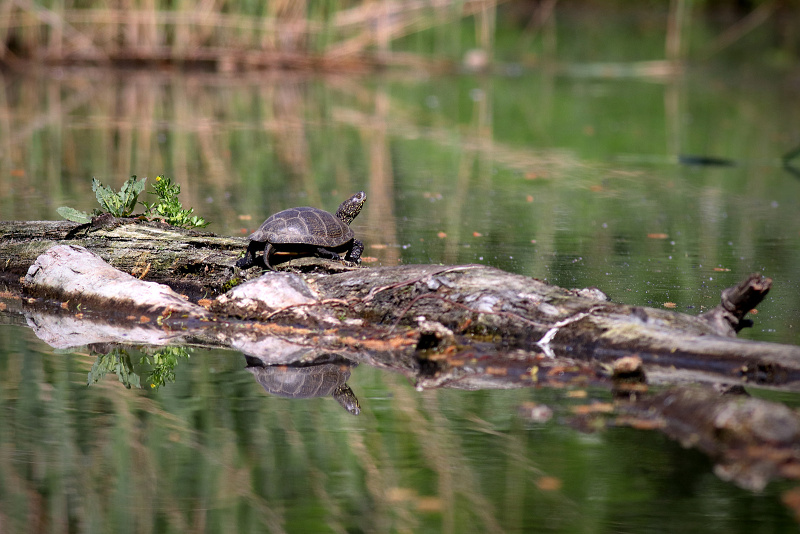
(213, 449)
(791, 163)
(127, 362)
(307, 375)
(324, 376)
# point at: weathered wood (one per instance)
(196, 264)
(737, 301)
(72, 273)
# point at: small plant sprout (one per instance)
(119, 204)
(169, 207)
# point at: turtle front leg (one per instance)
(323, 252)
(249, 256)
(354, 254)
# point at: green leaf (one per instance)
(119, 204)
(164, 361)
(125, 372)
(71, 214)
(118, 361)
(198, 222)
(129, 194)
(107, 198)
(169, 207)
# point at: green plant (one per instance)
(163, 363)
(230, 284)
(122, 203)
(118, 204)
(119, 362)
(169, 207)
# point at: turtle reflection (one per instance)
(306, 380)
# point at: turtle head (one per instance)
(351, 207)
(345, 396)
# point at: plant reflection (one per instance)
(159, 364)
(325, 375)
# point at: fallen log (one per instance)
(196, 264)
(447, 311)
(463, 326)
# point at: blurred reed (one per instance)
(227, 35)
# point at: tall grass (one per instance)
(226, 35)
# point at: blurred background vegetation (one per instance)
(539, 137)
(229, 35)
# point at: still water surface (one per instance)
(571, 179)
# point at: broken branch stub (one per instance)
(736, 302)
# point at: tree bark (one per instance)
(196, 264)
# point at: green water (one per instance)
(549, 173)
(212, 452)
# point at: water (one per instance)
(213, 452)
(571, 179)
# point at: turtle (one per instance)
(308, 230)
(306, 381)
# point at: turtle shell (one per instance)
(309, 226)
(301, 382)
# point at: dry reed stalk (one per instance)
(676, 28)
(753, 20)
(405, 17)
(146, 30)
(382, 226)
(51, 19)
(552, 161)
(434, 433)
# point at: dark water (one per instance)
(562, 176)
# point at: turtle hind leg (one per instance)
(268, 251)
(354, 254)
